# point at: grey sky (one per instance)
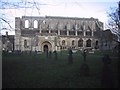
(65, 8)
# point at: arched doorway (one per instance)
(46, 46)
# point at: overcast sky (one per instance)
(66, 8)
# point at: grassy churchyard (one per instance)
(37, 71)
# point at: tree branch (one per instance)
(6, 22)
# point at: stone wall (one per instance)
(53, 30)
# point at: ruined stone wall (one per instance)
(53, 30)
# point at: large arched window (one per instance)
(25, 43)
(26, 24)
(81, 27)
(63, 42)
(88, 43)
(65, 27)
(35, 24)
(80, 32)
(73, 42)
(80, 43)
(88, 33)
(73, 27)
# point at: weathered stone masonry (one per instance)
(56, 33)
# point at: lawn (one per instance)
(37, 71)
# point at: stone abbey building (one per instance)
(56, 33)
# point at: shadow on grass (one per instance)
(35, 71)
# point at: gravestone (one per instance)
(55, 55)
(50, 54)
(106, 59)
(84, 70)
(107, 80)
(84, 54)
(70, 57)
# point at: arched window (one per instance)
(81, 28)
(35, 24)
(80, 43)
(73, 27)
(63, 42)
(88, 43)
(65, 27)
(80, 32)
(25, 43)
(26, 24)
(88, 33)
(73, 42)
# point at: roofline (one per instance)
(60, 17)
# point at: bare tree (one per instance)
(22, 4)
(114, 21)
(114, 24)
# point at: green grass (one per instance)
(35, 71)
